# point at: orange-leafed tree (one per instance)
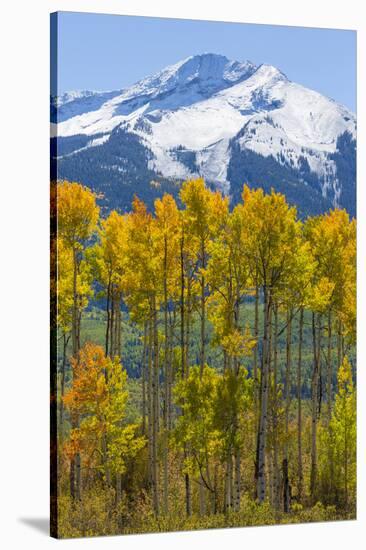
(98, 397)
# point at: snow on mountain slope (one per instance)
(184, 83)
(202, 105)
(72, 104)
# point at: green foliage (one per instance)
(213, 407)
(232, 407)
(196, 427)
(338, 443)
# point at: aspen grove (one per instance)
(238, 327)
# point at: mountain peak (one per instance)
(215, 117)
(200, 68)
(270, 72)
(212, 66)
(208, 57)
(264, 76)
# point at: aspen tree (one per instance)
(203, 215)
(194, 281)
(188, 246)
(327, 237)
(271, 232)
(167, 234)
(196, 428)
(294, 294)
(141, 293)
(77, 216)
(64, 312)
(100, 401)
(338, 440)
(318, 303)
(108, 257)
(228, 279)
(332, 238)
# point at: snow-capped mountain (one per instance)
(227, 121)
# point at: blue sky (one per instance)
(109, 52)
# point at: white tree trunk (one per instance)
(262, 428)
